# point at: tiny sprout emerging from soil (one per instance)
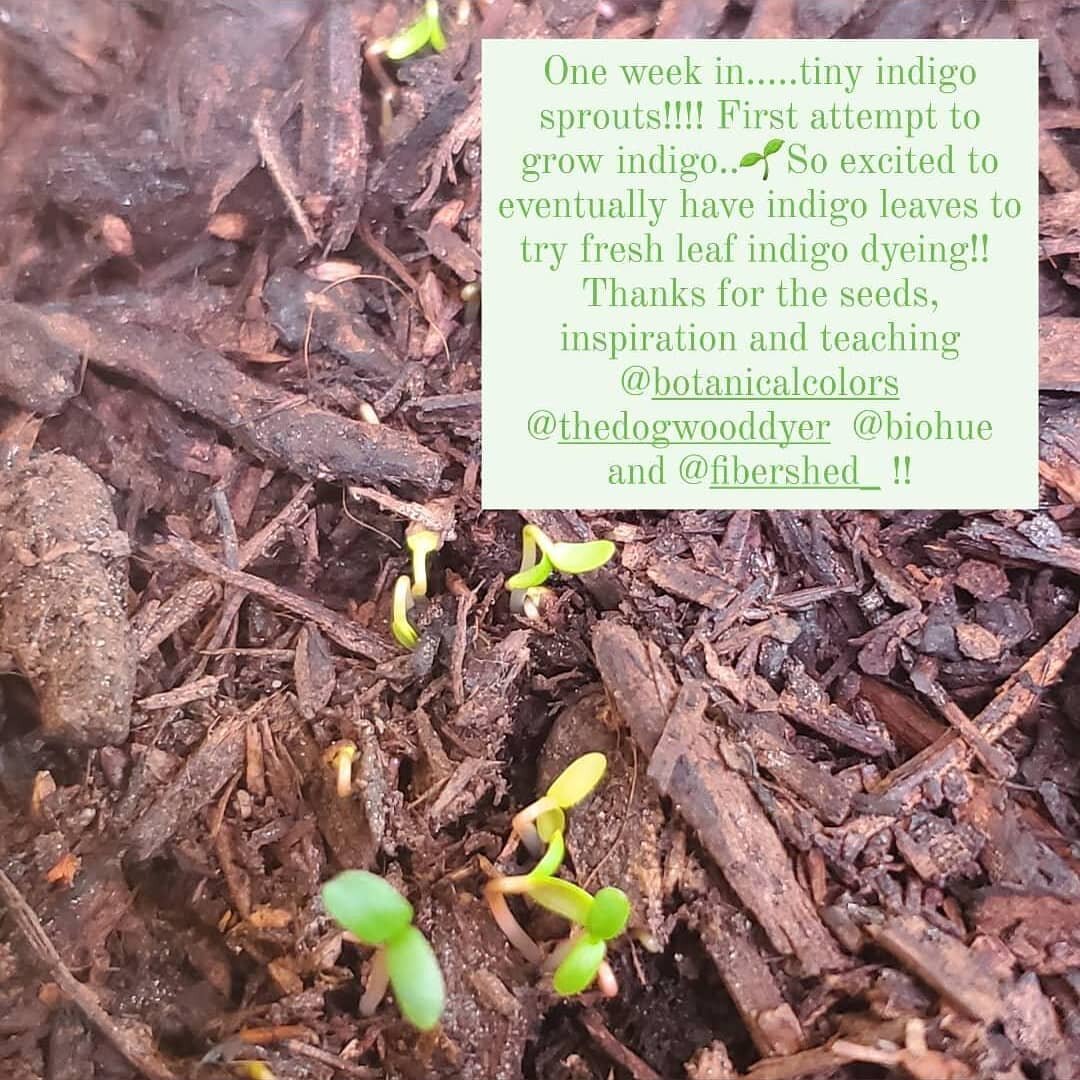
(425, 31)
(545, 817)
(375, 913)
(253, 1070)
(402, 603)
(421, 542)
(340, 758)
(600, 918)
(569, 558)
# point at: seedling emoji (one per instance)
(569, 558)
(376, 914)
(753, 158)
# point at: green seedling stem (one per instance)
(376, 914)
(421, 543)
(568, 558)
(402, 603)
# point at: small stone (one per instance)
(978, 643)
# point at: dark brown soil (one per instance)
(241, 320)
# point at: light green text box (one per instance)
(665, 327)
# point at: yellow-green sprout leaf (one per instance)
(553, 857)
(410, 40)
(549, 823)
(771, 147)
(416, 980)
(750, 159)
(562, 897)
(534, 576)
(436, 36)
(580, 965)
(609, 914)
(577, 780)
(367, 906)
(400, 626)
(580, 558)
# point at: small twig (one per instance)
(627, 1059)
(347, 634)
(147, 1062)
(281, 172)
(363, 1072)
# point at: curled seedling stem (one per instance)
(402, 603)
(340, 758)
(540, 820)
(566, 557)
(376, 914)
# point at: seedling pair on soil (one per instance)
(376, 914)
(582, 958)
(540, 558)
(421, 543)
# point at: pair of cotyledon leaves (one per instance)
(374, 912)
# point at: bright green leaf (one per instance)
(772, 146)
(580, 558)
(409, 41)
(553, 857)
(529, 579)
(578, 779)
(367, 906)
(609, 914)
(416, 979)
(750, 159)
(438, 39)
(562, 897)
(580, 965)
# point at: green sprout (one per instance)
(752, 158)
(544, 822)
(582, 959)
(425, 31)
(376, 914)
(400, 607)
(421, 543)
(569, 558)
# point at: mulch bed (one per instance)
(240, 305)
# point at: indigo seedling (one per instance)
(425, 31)
(542, 822)
(340, 758)
(421, 543)
(401, 604)
(569, 558)
(600, 918)
(376, 914)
